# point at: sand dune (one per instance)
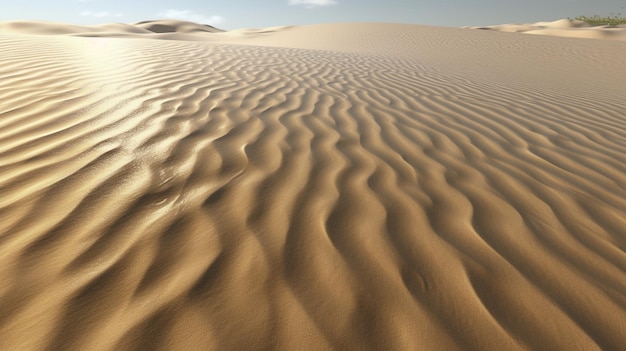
(391, 187)
(564, 28)
(157, 29)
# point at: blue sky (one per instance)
(233, 14)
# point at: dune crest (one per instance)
(390, 187)
(563, 28)
(176, 26)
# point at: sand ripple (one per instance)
(186, 195)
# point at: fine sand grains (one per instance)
(391, 187)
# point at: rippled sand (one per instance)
(340, 186)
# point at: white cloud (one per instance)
(313, 3)
(101, 14)
(187, 15)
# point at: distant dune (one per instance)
(182, 30)
(173, 26)
(564, 28)
(337, 186)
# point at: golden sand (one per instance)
(167, 186)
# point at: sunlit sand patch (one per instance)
(337, 186)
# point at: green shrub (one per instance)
(612, 19)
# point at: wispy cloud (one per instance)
(313, 3)
(188, 15)
(101, 14)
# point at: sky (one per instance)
(234, 14)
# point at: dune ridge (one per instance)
(563, 28)
(465, 192)
(317, 34)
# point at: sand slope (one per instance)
(563, 28)
(391, 187)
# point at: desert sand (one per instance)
(170, 186)
(563, 28)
